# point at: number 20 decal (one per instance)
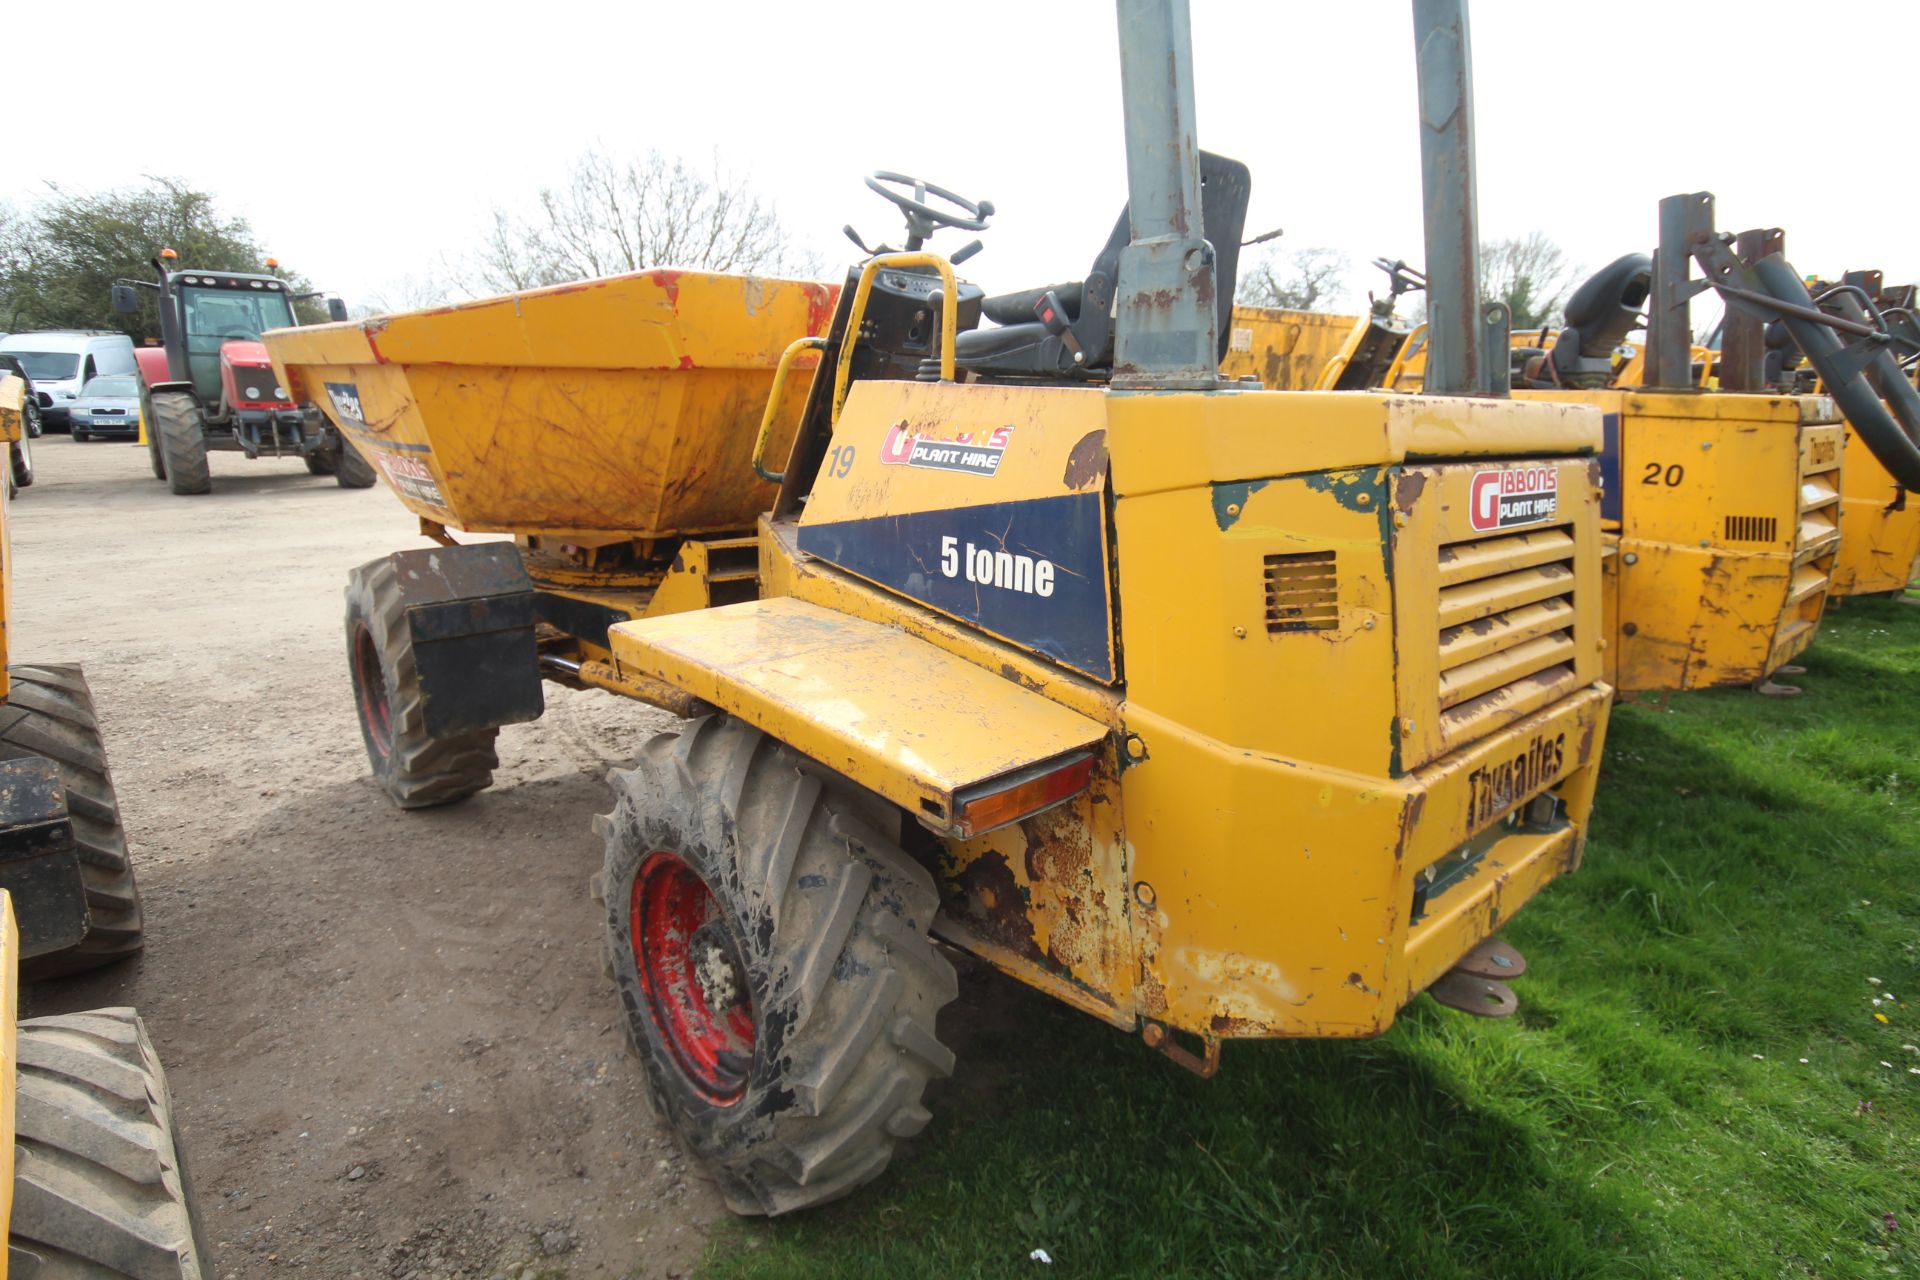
(1670, 476)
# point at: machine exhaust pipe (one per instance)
(1466, 339)
(1165, 334)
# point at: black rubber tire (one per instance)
(319, 464)
(99, 1186)
(21, 457)
(80, 437)
(827, 919)
(30, 415)
(177, 423)
(351, 470)
(416, 771)
(49, 712)
(158, 463)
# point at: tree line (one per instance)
(60, 257)
(608, 214)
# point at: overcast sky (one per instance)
(365, 142)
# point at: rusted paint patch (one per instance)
(669, 281)
(1410, 818)
(1023, 679)
(1088, 460)
(821, 300)
(1052, 893)
(1408, 488)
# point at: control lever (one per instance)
(1054, 317)
(966, 251)
(854, 236)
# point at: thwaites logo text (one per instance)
(1515, 496)
(1499, 785)
(346, 402)
(975, 452)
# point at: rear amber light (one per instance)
(1012, 797)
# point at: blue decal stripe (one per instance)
(1610, 466)
(1032, 572)
(384, 443)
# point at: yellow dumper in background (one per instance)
(1289, 350)
(91, 1179)
(1880, 527)
(1721, 510)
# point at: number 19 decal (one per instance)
(840, 462)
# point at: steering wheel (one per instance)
(922, 217)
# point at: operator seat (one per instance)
(1020, 345)
(1600, 315)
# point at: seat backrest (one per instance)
(1225, 187)
(1603, 310)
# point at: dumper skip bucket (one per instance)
(618, 408)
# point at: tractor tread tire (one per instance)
(319, 464)
(183, 442)
(831, 918)
(419, 771)
(99, 1186)
(49, 712)
(351, 470)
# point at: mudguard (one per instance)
(920, 726)
(38, 866)
(471, 617)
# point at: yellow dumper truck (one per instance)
(92, 1184)
(1005, 622)
(1723, 490)
(1880, 527)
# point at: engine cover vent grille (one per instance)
(1303, 592)
(1752, 529)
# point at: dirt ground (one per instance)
(391, 1044)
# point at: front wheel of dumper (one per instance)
(351, 470)
(770, 947)
(416, 770)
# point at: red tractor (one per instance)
(209, 384)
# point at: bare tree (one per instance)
(414, 291)
(1295, 281)
(614, 214)
(1530, 274)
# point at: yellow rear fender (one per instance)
(963, 750)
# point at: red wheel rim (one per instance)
(370, 686)
(696, 989)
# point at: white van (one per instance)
(60, 362)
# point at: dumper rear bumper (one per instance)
(1293, 900)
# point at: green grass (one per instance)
(1648, 1113)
